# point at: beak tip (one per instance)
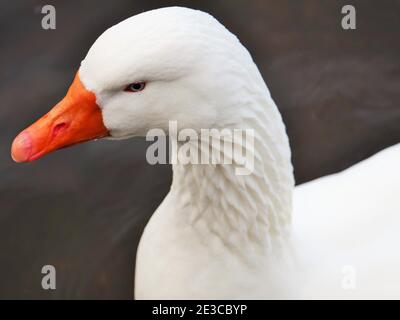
(21, 147)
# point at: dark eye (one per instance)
(135, 87)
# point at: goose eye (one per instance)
(135, 87)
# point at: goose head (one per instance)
(167, 64)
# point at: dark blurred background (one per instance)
(83, 209)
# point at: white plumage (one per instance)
(218, 235)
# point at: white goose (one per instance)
(216, 234)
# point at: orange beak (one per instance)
(76, 118)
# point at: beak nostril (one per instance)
(58, 128)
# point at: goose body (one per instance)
(343, 245)
(217, 234)
(346, 228)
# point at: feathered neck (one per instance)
(246, 213)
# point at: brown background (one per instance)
(83, 209)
